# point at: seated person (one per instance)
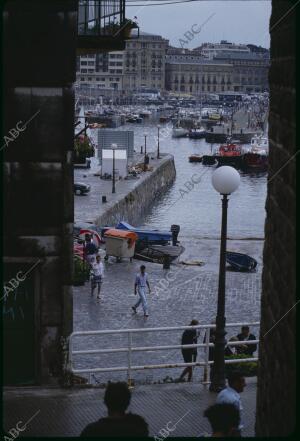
(118, 423)
(245, 336)
(231, 350)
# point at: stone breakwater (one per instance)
(133, 206)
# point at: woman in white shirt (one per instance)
(97, 271)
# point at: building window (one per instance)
(90, 79)
(83, 63)
(84, 70)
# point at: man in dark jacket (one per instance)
(245, 336)
(118, 423)
(189, 337)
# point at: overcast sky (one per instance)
(244, 21)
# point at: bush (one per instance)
(248, 369)
(82, 150)
(81, 271)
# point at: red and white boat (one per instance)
(256, 158)
(229, 154)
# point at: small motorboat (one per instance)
(195, 158)
(240, 262)
(147, 236)
(197, 133)
(158, 253)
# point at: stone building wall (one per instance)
(277, 372)
(39, 64)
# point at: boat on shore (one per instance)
(159, 253)
(240, 262)
(147, 236)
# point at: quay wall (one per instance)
(139, 200)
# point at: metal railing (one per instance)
(130, 349)
(100, 17)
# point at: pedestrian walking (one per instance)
(97, 272)
(141, 281)
(189, 337)
(90, 249)
(231, 395)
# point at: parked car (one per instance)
(81, 188)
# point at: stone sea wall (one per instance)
(137, 203)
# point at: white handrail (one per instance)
(206, 344)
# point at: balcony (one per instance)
(102, 26)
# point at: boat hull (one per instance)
(255, 162)
(158, 253)
(147, 236)
(240, 262)
(195, 158)
(197, 135)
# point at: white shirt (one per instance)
(98, 269)
(141, 280)
(231, 396)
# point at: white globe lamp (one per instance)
(225, 180)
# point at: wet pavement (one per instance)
(178, 295)
(65, 412)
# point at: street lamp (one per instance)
(145, 135)
(114, 147)
(225, 181)
(158, 127)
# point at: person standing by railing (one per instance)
(189, 337)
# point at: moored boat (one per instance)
(256, 159)
(179, 132)
(195, 158)
(229, 154)
(197, 133)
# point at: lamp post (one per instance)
(113, 147)
(225, 181)
(145, 136)
(158, 127)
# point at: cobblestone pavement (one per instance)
(178, 295)
(59, 412)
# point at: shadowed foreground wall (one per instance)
(277, 373)
(39, 60)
